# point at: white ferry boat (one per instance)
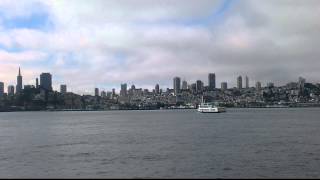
(210, 108)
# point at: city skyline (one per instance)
(46, 83)
(189, 39)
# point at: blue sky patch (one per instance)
(36, 21)
(217, 15)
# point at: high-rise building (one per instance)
(131, 90)
(11, 90)
(63, 88)
(199, 85)
(96, 91)
(184, 85)
(224, 86)
(247, 82)
(212, 81)
(37, 83)
(46, 81)
(109, 94)
(157, 89)
(1, 89)
(146, 91)
(103, 94)
(19, 83)
(270, 85)
(239, 82)
(176, 85)
(123, 91)
(258, 86)
(193, 87)
(301, 82)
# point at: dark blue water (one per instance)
(242, 143)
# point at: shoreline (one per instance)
(85, 110)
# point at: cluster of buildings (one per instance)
(41, 96)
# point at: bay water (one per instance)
(241, 143)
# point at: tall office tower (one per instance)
(199, 86)
(224, 86)
(301, 82)
(239, 82)
(212, 81)
(270, 85)
(103, 94)
(157, 89)
(113, 92)
(123, 91)
(258, 86)
(63, 88)
(184, 85)
(37, 83)
(193, 87)
(1, 89)
(46, 81)
(11, 90)
(96, 91)
(109, 94)
(247, 82)
(176, 85)
(19, 83)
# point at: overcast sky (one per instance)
(103, 43)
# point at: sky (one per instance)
(103, 43)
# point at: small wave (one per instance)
(154, 157)
(59, 145)
(77, 155)
(227, 169)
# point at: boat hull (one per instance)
(211, 110)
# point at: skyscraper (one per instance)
(270, 84)
(132, 90)
(184, 85)
(96, 91)
(247, 82)
(63, 88)
(46, 81)
(224, 86)
(176, 85)
(157, 89)
(37, 83)
(239, 82)
(301, 83)
(19, 83)
(258, 86)
(11, 90)
(113, 94)
(1, 89)
(103, 94)
(193, 87)
(123, 91)
(199, 85)
(212, 81)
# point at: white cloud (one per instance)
(105, 43)
(18, 57)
